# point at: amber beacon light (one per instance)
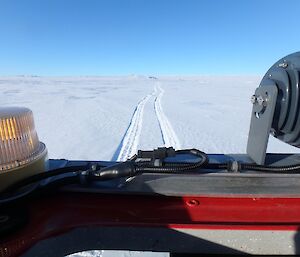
(21, 152)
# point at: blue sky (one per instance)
(119, 37)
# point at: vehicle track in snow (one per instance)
(169, 136)
(129, 144)
(131, 138)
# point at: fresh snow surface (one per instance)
(110, 118)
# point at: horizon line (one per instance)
(134, 75)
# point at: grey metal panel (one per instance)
(214, 184)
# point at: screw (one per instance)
(283, 65)
(260, 100)
(253, 99)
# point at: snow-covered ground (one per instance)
(109, 118)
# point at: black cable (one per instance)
(84, 174)
(176, 167)
(288, 169)
(35, 190)
(16, 192)
(43, 175)
(8, 198)
(217, 166)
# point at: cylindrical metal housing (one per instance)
(286, 75)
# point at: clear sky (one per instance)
(118, 37)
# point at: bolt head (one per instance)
(260, 100)
(283, 65)
(253, 99)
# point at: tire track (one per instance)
(129, 144)
(169, 136)
(130, 141)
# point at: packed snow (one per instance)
(110, 118)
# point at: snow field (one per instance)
(109, 118)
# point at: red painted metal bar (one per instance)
(55, 215)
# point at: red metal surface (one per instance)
(55, 215)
